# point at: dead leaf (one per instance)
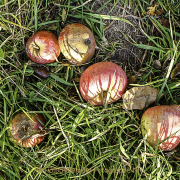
(41, 71)
(66, 64)
(177, 158)
(137, 117)
(165, 22)
(157, 64)
(63, 15)
(175, 71)
(139, 97)
(77, 79)
(152, 10)
(132, 80)
(159, 12)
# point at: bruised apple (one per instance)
(27, 129)
(103, 83)
(161, 122)
(77, 43)
(43, 47)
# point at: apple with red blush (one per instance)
(43, 47)
(161, 126)
(103, 83)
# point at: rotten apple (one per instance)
(103, 83)
(43, 47)
(27, 129)
(77, 43)
(161, 122)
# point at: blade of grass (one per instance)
(35, 15)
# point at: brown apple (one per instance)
(43, 47)
(161, 122)
(77, 43)
(27, 129)
(103, 83)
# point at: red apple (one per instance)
(43, 47)
(103, 83)
(161, 122)
(77, 43)
(27, 130)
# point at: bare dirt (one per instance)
(122, 34)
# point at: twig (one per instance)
(82, 4)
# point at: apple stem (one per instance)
(108, 93)
(104, 98)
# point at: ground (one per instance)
(121, 35)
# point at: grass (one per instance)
(84, 141)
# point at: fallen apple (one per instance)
(77, 43)
(43, 47)
(27, 129)
(103, 83)
(161, 122)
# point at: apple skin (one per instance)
(160, 122)
(43, 47)
(23, 129)
(77, 43)
(95, 82)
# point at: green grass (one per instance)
(84, 141)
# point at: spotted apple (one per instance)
(27, 129)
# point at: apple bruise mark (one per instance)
(76, 45)
(25, 128)
(41, 71)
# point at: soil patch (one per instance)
(121, 34)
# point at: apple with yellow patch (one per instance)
(43, 47)
(77, 43)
